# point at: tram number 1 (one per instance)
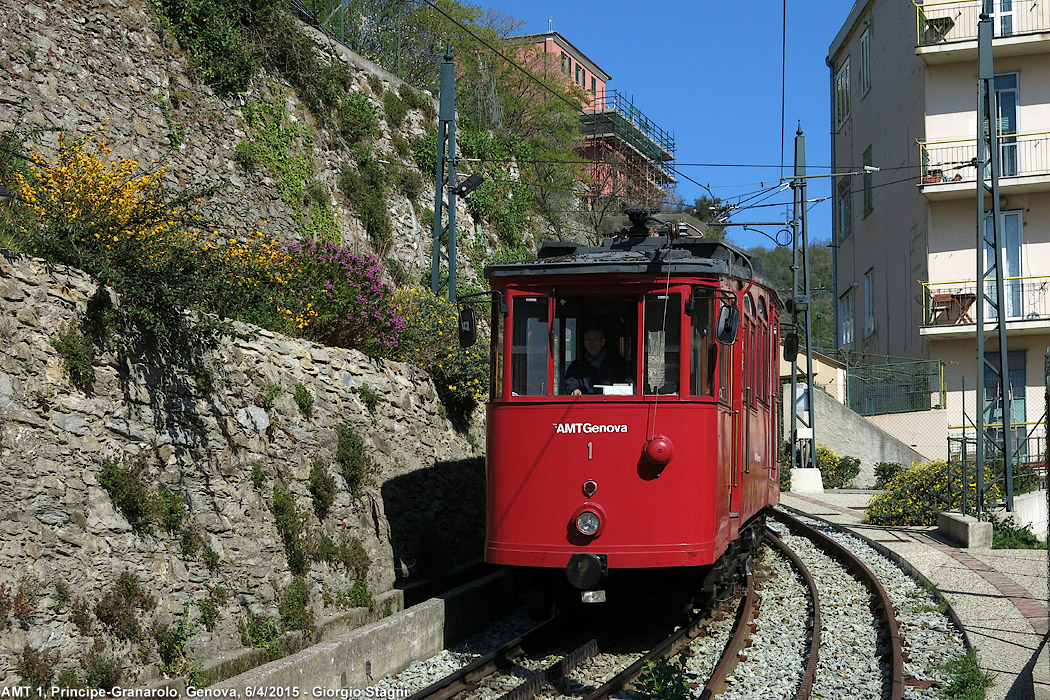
(590, 450)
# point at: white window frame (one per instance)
(844, 201)
(842, 103)
(865, 61)
(869, 302)
(846, 319)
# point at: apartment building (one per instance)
(903, 80)
(631, 154)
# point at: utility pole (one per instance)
(445, 181)
(803, 452)
(989, 256)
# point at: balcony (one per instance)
(946, 31)
(949, 167)
(950, 308)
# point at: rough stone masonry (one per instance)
(59, 527)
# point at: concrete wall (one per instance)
(924, 431)
(1030, 509)
(849, 434)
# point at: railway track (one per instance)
(849, 645)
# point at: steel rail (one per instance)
(880, 600)
(674, 643)
(730, 655)
(477, 669)
(806, 683)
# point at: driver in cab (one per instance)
(596, 366)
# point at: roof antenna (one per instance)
(550, 24)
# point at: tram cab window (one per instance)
(663, 339)
(529, 339)
(593, 344)
(704, 349)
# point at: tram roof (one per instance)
(646, 255)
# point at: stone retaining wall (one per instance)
(58, 525)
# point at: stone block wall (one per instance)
(58, 525)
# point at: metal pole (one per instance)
(986, 110)
(800, 311)
(445, 181)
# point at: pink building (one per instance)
(632, 155)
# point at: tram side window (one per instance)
(704, 349)
(528, 356)
(663, 340)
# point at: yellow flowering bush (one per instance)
(836, 472)
(127, 229)
(918, 494)
(431, 341)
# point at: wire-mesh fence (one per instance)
(898, 387)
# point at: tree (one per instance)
(777, 262)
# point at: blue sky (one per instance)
(710, 72)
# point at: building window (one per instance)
(869, 302)
(566, 64)
(842, 94)
(579, 74)
(594, 86)
(846, 319)
(845, 209)
(865, 61)
(869, 203)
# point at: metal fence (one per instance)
(953, 303)
(956, 20)
(899, 387)
(955, 160)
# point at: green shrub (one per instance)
(78, 357)
(268, 398)
(261, 632)
(785, 466)
(304, 400)
(885, 472)
(430, 341)
(322, 489)
(356, 118)
(354, 461)
(36, 667)
(365, 188)
(664, 680)
(210, 607)
(294, 607)
(357, 596)
(1007, 533)
(368, 397)
(289, 522)
(171, 642)
(127, 486)
(116, 609)
(210, 558)
(409, 183)
(101, 670)
(171, 509)
(836, 472)
(967, 681)
(80, 614)
(394, 108)
(258, 476)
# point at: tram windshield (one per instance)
(594, 344)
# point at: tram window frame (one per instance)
(529, 350)
(615, 314)
(703, 348)
(496, 323)
(669, 305)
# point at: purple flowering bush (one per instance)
(340, 299)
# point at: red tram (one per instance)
(656, 478)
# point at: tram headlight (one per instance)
(588, 522)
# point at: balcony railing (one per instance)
(956, 159)
(955, 303)
(956, 20)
